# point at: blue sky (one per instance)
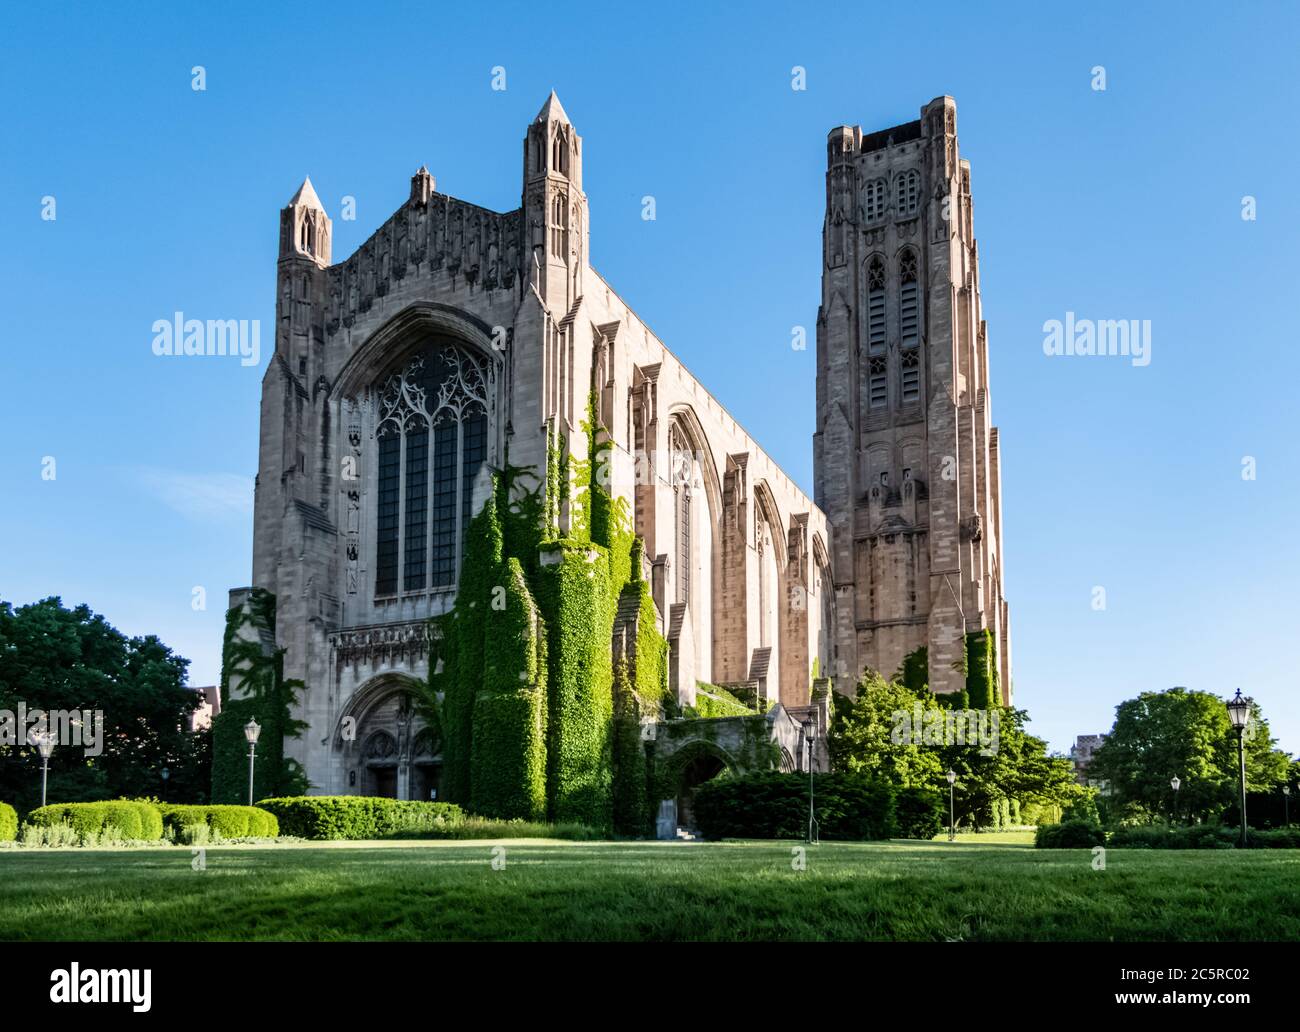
(1122, 204)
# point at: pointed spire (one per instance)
(422, 186)
(552, 111)
(306, 196)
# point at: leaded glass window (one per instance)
(432, 438)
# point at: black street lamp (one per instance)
(251, 730)
(1239, 715)
(952, 821)
(1174, 783)
(808, 734)
(44, 742)
(1286, 803)
(165, 775)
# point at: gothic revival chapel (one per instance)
(457, 339)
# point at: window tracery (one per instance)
(431, 426)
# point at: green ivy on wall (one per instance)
(265, 696)
(522, 679)
(982, 670)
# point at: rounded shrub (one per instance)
(120, 819)
(8, 823)
(220, 822)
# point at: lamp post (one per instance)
(251, 730)
(44, 743)
(952, 820)
(808, 738)
(1239, 715)
(1286, 803)
(165, 775)
(1174, 783)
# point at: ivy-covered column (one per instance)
(508, 765)
(579, 607)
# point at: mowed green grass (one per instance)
(642, 890)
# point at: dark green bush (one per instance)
(8, 823)
(1069, 835)
(919, 813)
(1196, 836)
(227, 821)
(358, 817)
(1277, 838)
(770, 804)
(1149, 837)
(134, 821)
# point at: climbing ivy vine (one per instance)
(536, 720)
(265, 696)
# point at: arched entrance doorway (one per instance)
(383, 744)
(697, 764)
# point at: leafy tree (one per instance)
(53, 658)
(876, 733)
(862, 734)
(1186, 733)
(1020, 767)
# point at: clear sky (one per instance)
(1117, 204)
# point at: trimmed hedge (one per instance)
(224, 821)
(134, 821)
(1276, 838)
(358, 817)
(8, 823)
(769, 804)
(919, 813)
(1069, 835)
(1196, 836)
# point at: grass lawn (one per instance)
(643, 890)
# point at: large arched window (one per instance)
(431, 432)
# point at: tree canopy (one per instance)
(54, 658)
(878, 732)
(1183, 733)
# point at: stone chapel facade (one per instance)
(403, 375)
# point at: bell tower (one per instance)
(906, 456)
(555, 208)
